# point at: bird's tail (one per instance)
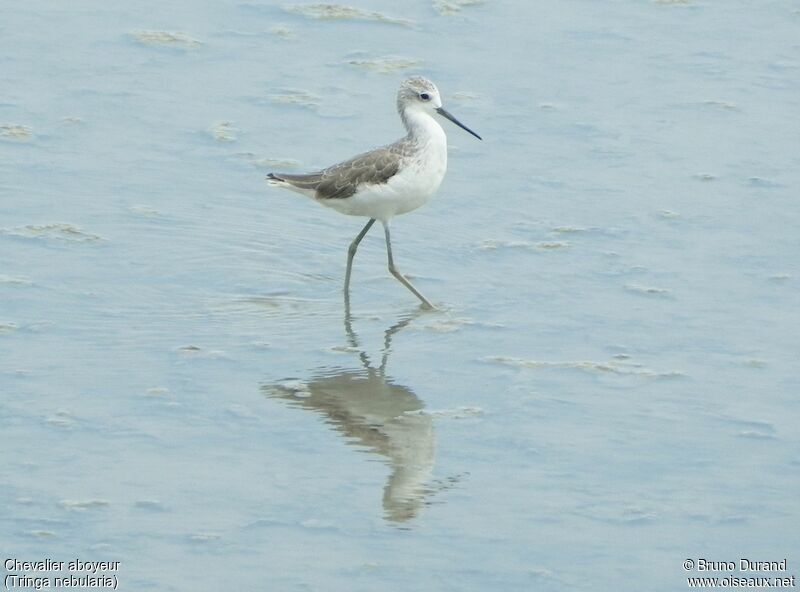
(306, 184)
(305, 181)
(275, 180)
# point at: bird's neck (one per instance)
(423, 128)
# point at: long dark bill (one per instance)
(445, 113)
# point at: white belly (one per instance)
(413, 185)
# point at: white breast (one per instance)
(412, 186)
(419, 180)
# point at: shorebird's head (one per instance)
(420, 95)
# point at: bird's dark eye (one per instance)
(425, 96)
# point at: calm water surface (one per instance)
(609, 388)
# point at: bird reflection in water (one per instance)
(370, 410)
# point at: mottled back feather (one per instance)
(342, 180)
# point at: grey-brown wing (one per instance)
(375, 168)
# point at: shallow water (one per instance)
(609, 388)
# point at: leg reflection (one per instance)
(371, 410)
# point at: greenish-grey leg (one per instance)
(396, 272)
(351, 252)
